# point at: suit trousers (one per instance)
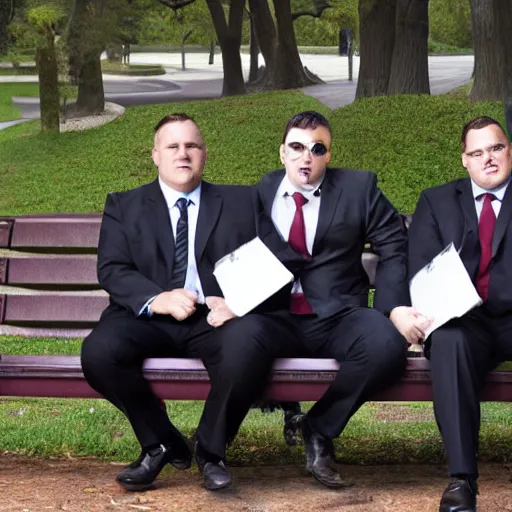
(461, 354)
(238, 357)
(371, 352)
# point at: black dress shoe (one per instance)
(459, 496)
(320, 457)
(140, 475)
(215, 474)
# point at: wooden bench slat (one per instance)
(53, 307)
(293, 379)
(56, 231)
(55, 270)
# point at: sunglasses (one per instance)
(296, 149)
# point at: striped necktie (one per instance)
(179, 272)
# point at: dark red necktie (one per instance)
(486, 226)
(297, 240)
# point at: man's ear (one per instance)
(155, 155)
(281, 153)
(327, 157)
(464, 161)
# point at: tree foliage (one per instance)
(450, 22)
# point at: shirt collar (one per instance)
(288, 188)
(171, 195)
(499, 192)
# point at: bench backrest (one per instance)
(48, 281)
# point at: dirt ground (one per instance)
(34, 485)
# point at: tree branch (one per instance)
(175, 4)
(320, 7)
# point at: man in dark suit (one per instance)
(157, 249)
(328, 215)
(474, 213)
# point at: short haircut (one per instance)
(477, 124)
(308, 120)
(175, 118)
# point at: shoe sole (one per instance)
(333, 485)
(217, 487)
(136, 487)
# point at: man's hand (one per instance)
(178, 303)
(410, 323)
(219, 312)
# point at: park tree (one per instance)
(7, 11)
(283, 67)
(491, 26)
(229, 36)
(393, 46)
(44, 19)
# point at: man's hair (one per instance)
(477, 124)
(174, 118)
(308, 120)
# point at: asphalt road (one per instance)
(201, 80)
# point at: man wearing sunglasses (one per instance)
(328, 215)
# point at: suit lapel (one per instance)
(267, 189)
(502, 220)
(160, 221)
(329, 199)
(467, 203)
(209, 211)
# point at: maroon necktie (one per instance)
(486, 226)
(297, 240)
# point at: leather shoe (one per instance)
(215, 474)
(320, 457)
(459, 496)
(140, 475)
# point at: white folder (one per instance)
(443, 290)
(250, 275)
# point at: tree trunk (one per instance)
(229, 36)
(491, 49)
(46, 62)
(409, 67)
(6, 14)
(84, 56)
(287, 71)
(183, 41)
(211, 57)
(254, 51)
(376, 43)
(265, 30)
(91, 96)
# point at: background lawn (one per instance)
(411, 142)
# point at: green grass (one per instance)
(116, 68)
(411, 142)
(70, 427)
(24, 70)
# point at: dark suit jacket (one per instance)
(136, 245)
(447, 214)
(353, 211)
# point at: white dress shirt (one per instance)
(499, 193)
(192, 281)
(283, 212)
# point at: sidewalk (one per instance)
(201, 80)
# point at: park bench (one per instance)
(49, 288)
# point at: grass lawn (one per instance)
(411, 142)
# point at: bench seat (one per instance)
(48, 288)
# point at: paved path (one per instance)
(201, 80)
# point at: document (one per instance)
(250, 275)
(443, 290)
